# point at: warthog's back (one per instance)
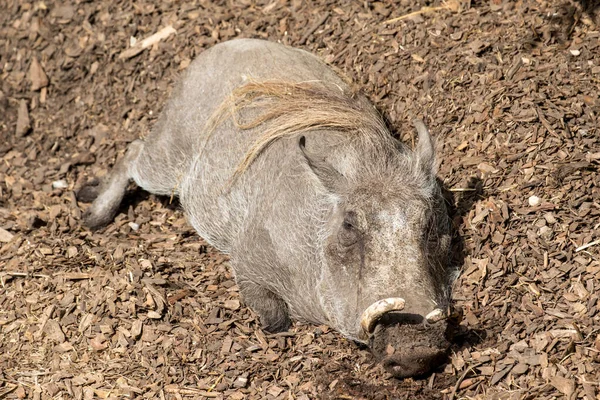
(197, 165)
(209, 80)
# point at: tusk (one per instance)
(435, 316)
(377, 309)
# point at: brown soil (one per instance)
(510, 88)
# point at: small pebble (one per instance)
(456, 35)
(575, 52)
(232, 304)
(534, 201)
(240, 382)
(62, 184)
(134, 226)
(546, 232)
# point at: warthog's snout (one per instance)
(410, 345)
(419, 361)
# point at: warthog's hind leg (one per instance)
(108, 193)
(273, 311)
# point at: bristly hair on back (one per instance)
(289, 108)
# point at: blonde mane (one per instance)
(289, 108)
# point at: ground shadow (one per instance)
(133, 196)
(459, 204)
(560, 25)
(589, 6)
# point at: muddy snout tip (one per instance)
(418, 362)
(376, 310)
(407, 344)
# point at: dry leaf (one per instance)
(136, 328)
(5, 236)
(20, 392)
(54, 331)
(564, 385)
(98, 343)
(23, 121)
(38, 77)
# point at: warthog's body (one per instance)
(326, 214)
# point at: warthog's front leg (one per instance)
(273, 311)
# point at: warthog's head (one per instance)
(386, 280)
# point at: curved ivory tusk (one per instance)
(436, 315)
(377, 309)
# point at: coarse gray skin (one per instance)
(320, 226)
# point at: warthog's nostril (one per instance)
(417, 362)
(396, 367)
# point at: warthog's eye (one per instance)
(347, 225)
(349, 234)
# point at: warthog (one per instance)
(327, 218)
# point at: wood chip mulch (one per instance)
(145, 309)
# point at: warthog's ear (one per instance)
(425, 151)
(327, 174)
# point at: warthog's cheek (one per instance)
(408, 350)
